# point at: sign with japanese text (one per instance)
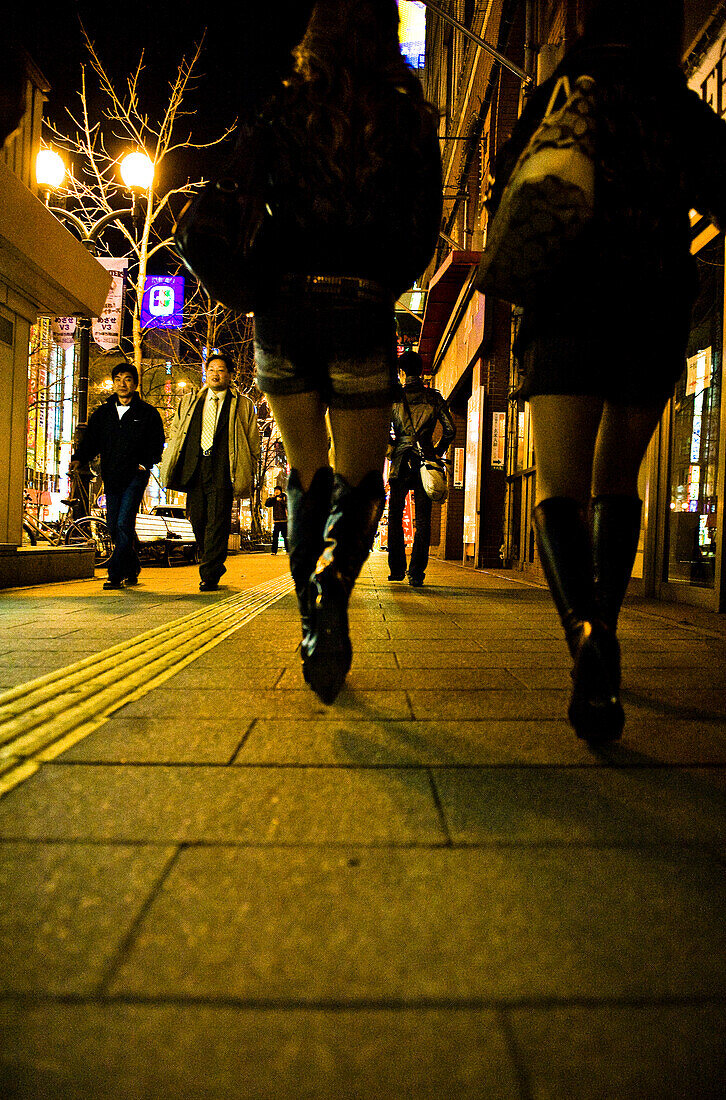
(162, 305)
(106, 329)
(499, 436)
(459, 454)
(64, 331)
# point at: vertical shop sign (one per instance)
(106, 329)
(471, 484)
(499, 430)
(459, 453)
(64, 331)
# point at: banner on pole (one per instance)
(106, 329)
(64, 331)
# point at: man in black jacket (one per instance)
(414, 421)
(278, 503)
(128, 434)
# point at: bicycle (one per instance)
(69, 531)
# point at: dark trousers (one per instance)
(400, 488)
(209, 507)
(121, 508)
(279, 528)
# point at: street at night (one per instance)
(362, 557)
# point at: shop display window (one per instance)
(693, 469)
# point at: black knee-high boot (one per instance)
(615, 534)
(565, 551)
(349, 534)
(307, 514)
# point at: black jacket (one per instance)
(416, 424)
(279, 507)
(385, 229)
(136, 439)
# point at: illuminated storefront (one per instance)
(684, 475)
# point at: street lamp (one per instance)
(137, 172)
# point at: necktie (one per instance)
(209, 421)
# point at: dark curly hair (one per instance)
(348, 70)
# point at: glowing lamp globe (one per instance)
(137, 171)
(50, 171)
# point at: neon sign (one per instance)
(412, 32)
(163, 303)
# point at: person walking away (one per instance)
(414, 420)
(212, 456)
(357, 206)
(128, 435)
(278, 503)
(602, 346)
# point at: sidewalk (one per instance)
(430, 890)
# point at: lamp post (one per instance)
(137, 172)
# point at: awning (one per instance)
(444, 289)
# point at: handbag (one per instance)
(434, 479)
(547, 201)
(432, 471)
(220, 234)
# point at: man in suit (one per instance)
(212, 456)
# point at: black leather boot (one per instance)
(615, 534)
(307, 514)
(349, 534)
(565, 551)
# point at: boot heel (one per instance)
(595, 711)
(326, 668)
(349, 534)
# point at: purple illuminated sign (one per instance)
(163, 303)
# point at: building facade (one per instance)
(466, 339)
(44, 271)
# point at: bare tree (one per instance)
(92, 186)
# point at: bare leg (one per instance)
(565, 432)
(360, 438)
(622, 441)
(301, 420)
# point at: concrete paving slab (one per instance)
(232, 654)
(585, 805)
(404, 924)
(187, 740)
(179, 1052)
(494, 704)
(364, 678)
(464, 644)
(652, 1052)
(372, 744)
(479, 658)
(67, 909)
(194, 678)
(246, 705)
(650, 738)
(164, 805)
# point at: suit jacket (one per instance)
(191, 454)
(242, 436)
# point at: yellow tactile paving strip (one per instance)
(44, 717)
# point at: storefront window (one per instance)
(694, 463)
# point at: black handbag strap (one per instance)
(407, 407)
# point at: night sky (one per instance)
(247, 47)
